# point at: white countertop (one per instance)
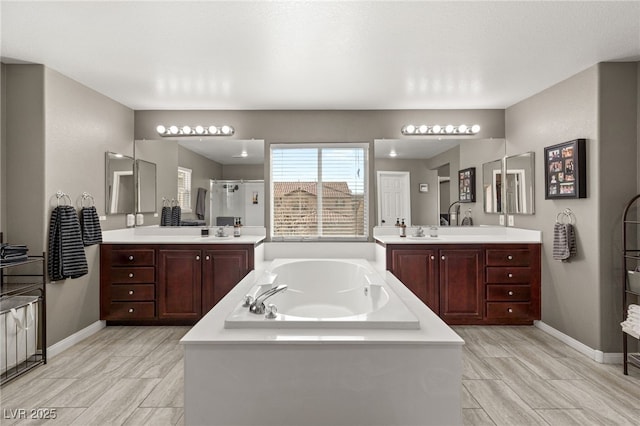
(460, 235)
(210, 329)
(178, 235)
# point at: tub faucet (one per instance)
(258, 307)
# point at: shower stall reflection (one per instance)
(236, 199)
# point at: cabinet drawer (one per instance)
(514, 310)
(142, 292)
(521, 293)
(508, 275)
(132, 310)
(133, 275)
(508, 257)
(134, 257)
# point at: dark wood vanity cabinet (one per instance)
(418, 270)
(472, 284)
(461, 285)
(168, 283)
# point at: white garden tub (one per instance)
(325, 293)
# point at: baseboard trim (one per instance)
(76, 337)
(594, 354)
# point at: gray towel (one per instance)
(165, 218)
(564, 241)
(176, 215)
(201, 202)
(91, 231)
(66, 257)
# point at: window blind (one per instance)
(319, 192)
(184, 189)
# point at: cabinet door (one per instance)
(222, 270)
(179, 284)
(461, 286)
(417, 269)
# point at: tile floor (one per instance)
(512, 376)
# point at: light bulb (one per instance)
(161, 129)
(213, 130)
(449, 128)
(423, 129)
(199, 130)
(173, 130)
(186, 130)
(409, 128)
(462, 128)
(226, 129)
(436, 129)
(475, 128)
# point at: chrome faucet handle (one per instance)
(272, 311)
(258, 307)
(247, 301)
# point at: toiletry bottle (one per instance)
(403, 229)
(398, 222)
(236, 228)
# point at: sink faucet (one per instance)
(457, 212)
(258, 307)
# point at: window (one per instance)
(184, 189)
(319, 192)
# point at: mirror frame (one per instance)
(529, 183)
(144, 188)
(109, 184)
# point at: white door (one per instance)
(394, 199)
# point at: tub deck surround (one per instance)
(320, 376)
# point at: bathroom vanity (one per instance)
(473, 278)
(169, 279)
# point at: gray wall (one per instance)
(581, 298)
(56, 135)
(3, 156)
(243, 171)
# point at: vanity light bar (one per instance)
(449, 129)
(174, 130)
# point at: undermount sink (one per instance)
(424, 237)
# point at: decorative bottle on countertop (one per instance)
(236, 227)
(398, 222)
(403, 229)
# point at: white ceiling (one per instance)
(319, 54)
(227, 153)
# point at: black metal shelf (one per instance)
(629, 254)
(12, 286)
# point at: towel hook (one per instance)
(62, 195)
(564, 215)
(89, 198)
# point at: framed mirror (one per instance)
(492, 186)
(519, 183)
(146, 200)
(119, 184)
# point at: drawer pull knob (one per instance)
(131, 257)
(510, 275)
(131, 310)
(130, 291)
(510, 293)
(197, 257)
(442, 258)
(130, 274)
(433, 258)
(510, 310)
(207, 257)
(510, 257)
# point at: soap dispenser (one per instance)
(403, 229)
